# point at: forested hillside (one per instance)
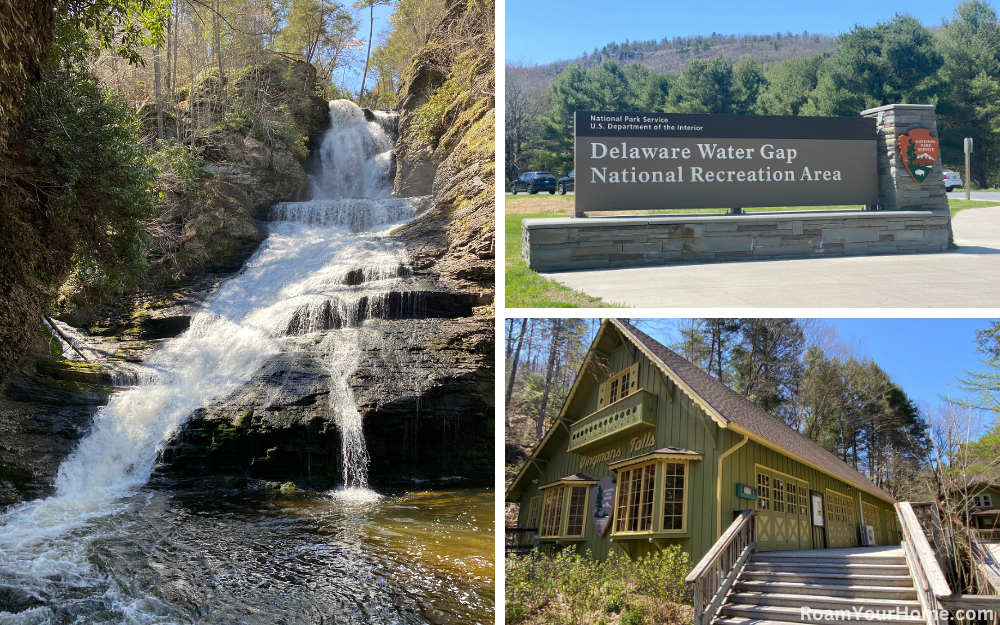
(955, 66)
(143, 141)
(799, 371)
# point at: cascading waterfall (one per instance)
(326, 264)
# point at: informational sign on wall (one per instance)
(817, 509)
(649, 161)
(602, 505)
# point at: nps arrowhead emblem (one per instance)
(919, 151)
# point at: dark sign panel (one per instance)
(649, 161)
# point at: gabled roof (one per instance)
(739, 411)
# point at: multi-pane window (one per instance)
(577, 511)
(635, 499)
(763, 492)
(779, 495)
(792, 499)
(552, 512)
(803, 501)
(637, 495)
(673, 495)
(533, 512)
(982, 501)
(618, 386)
(839, 509)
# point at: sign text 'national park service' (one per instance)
(649, 161)
(919, 151)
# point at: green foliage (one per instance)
(432, 118)
(634, 616)
(615, 603)
(124, 27)
(704, 87)
(969, 105)
(572, 588)
(178, 161)
(94, 176)
(889, 63)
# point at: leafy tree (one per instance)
(704, 87)
(889, 63)
(969, 105)
(370, 5)
(767, 363)
(789, 85)
(315, 27)
(748, 84)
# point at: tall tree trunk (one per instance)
(513, 372)
(158, 93)
(554, 339)
(371, 33)
(191, 95)
(173, 83)
(218, 53)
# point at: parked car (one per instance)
(952, 180)
(566, 183)
(533, 182)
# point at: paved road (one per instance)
(990, 196)
(966, 278)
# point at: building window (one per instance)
(635, 499)
(673, 496)
(638, 497)
(564, 513)
(552, 512)
(577, 511)
(792, 499)
(618, 386)
(803, 501)
(763, 492)
(533, 512)
(839, 509)
(982, 501)
(779, 495)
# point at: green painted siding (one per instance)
(681, 424)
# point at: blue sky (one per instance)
(542, 32)
(923, 356)
(382, 13)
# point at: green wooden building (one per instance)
(981, 503)
(650, 451)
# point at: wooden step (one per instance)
(815, 556)
(795, 615)
(824, 567)
(822, 602)
(827, 589)
(846, 579)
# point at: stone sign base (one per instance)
(565, 244)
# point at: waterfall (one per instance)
(325, 264)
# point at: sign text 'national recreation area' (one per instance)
(648, 161)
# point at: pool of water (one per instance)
(167, 556)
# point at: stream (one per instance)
(112, 547)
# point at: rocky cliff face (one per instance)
(424, 386)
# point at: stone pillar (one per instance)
(897, 190)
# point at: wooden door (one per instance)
(841, 530)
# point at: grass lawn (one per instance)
(526, 289)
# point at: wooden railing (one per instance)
(989, 536)
(518, 540)
(714, 575)
(932, 587)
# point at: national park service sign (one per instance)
(919, 151)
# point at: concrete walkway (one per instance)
(965, 278)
